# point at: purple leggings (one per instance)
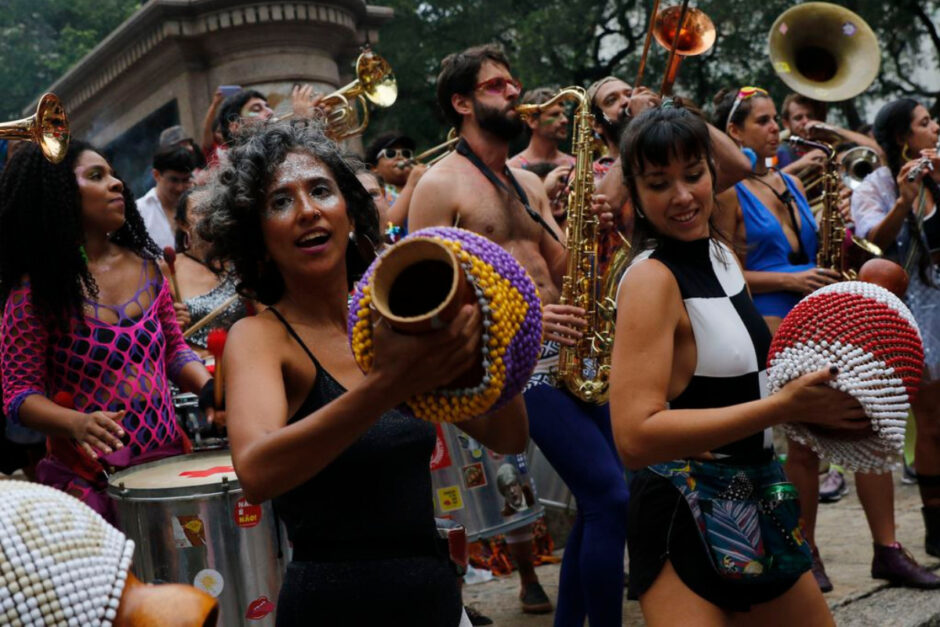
(576, 439)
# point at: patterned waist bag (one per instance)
(748, 518)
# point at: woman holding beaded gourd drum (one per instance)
(348, 472)
(689, 409)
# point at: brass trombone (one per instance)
(48, 127)
(439, 151)
(682, 30)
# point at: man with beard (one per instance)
(475, 189)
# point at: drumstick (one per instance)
(216, 346)
(169, 254)
(209, 317)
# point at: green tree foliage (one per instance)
(573, 42)
(41, 39)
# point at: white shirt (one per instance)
(159, 228)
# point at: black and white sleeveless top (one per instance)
(731, 337)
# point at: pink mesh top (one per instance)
(104, 365)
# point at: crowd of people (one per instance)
(263, 230)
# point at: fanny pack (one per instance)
(748, 518)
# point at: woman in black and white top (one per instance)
(688, 406)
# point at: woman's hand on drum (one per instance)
(809, 281)
(810, 399)
(99, 432)
(183, 318)
(563, 324)
(413, 364)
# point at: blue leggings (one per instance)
(576, 439)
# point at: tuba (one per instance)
(48, 127)
(824, 51)
(585, 367)
(375, 83)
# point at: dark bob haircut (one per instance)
(657, 137)
(239, 189)
(459, 73)
(41, 233)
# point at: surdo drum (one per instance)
(192, 525)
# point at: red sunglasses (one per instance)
(498, 84)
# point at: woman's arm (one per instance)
(505, 431)
(271, 456)
(643, 374)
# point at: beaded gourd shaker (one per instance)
(512, 327)
(61, 563)
(871, 337)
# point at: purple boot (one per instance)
(898, 566)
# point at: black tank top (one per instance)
(373, 501)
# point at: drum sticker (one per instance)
(469, 444)
(441, 456)
(259, 608)
(449, 498)
(188, 532)
(517, 494)
(209, 581)
(849, 29)
(521, 464)
(496, 457)
(474, 476)
(246, 514)
(208, 472)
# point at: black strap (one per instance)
(786, 198)
(293, 334)
(463, 148)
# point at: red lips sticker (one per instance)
(259, 608)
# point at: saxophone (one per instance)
(585, 368)
(832, 227)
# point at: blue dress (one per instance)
(768, 248)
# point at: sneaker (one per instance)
(819, 573)
(534, 600)
(832, 487)
(899, 567)
(909, 475)
(475, 617)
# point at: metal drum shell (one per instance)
(249, 559)
(481, 504)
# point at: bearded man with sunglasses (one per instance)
(475, 189)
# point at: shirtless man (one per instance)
(473, 188)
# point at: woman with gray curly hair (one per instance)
(348, 472)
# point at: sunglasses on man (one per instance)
(396, 153)
(498, 85)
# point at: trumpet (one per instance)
(375, 82)
(48, 127)
(858, 163)
(440, 151)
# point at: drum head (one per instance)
(199, 473)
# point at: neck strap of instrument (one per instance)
(463, 148)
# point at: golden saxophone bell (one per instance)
(824, 51)
(375, 82)
(48, 127)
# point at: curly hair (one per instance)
(41, 232)
(239, 189)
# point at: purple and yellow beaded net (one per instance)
(512, 327)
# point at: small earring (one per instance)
(81, 251)
(352, 237)
(639, 212)
(186, 240)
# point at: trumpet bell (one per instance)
(696, 36)
(824, 51)
(376, 79)
(857, 163)
(48, 127)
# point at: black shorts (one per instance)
(660, 526)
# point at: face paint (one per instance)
(298, 175)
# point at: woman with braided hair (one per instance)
(89, 336)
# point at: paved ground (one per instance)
(845, 544)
